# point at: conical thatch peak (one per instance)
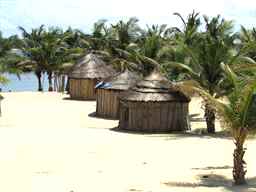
(91, 67)
(155, 87)
(155, 76)
(121, 81)
(155, 81)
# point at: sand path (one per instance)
(49, 144)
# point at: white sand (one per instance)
(48, 144)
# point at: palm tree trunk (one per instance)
(55, 83)
(38, 75)
(50, 81)
(209, 114)
(62, 88)
(67, 85)
(239, 169)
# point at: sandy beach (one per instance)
(49, 143)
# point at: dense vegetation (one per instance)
(206, 54)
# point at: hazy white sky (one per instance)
(83, 13)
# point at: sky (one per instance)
(83, 13)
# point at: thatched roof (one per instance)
(91, 67)
(121, 81)
(153, 88)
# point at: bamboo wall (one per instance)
(82, 89)
(154, 116)
(107, 103)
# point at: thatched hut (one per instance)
(154, 105)
(85, 75)
(108, 92)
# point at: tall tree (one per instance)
(9, 57)
(204, 58)
(47, 49)
(238, 114)
(32, 51)
(189, 31)
(126, 32)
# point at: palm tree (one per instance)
(47, 50)
(189, 33)
(125, 33)
(51, 46)
(33, 54)
(97, 40)
(63, 53)
(76, 39)
(204, 58)
(237, 112)
(248, 39)
(150, 49)
(8, 57)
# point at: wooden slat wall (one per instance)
(144, 116)
(123, 122)
(82, 89)
(164, 117)
(107, 103)
(155, 116)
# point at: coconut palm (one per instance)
(189, 32)
(33, 54)
(248, 39)
(47, 50)
(62, 54)
(203, 61)
(8, 57)
(97, 40)
(237, 112)
(148, 51)
(125, 33)
(76, 39)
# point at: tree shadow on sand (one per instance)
(214, 181)
(195, 133)
(78, 99)
(94, 115)
(194, 118)
(176, 135)
(213, 168)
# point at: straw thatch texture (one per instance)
(91, 67)
(107, 94)
(85, 75)
(154, 105)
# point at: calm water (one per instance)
(28, 82)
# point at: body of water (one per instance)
(27, 82)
